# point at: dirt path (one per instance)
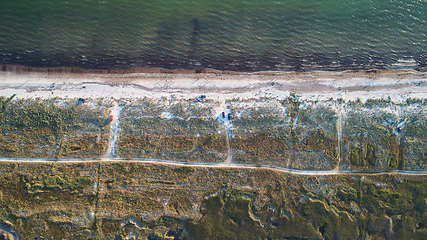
(339, 133)
(114, 130)
(230, 148)
(222, 165)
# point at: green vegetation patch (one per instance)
(159, 201)
(289, 133)
(329, 221)
(182, 130)
(47, 200)
(369, 136)
(414, 136)
(50, 128)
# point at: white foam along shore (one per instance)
(398, 86)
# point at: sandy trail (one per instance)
(230, 148)
(339, 133)
(114, 130)
(223, 165)
(221, 114)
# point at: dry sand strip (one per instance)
(311, 86)
(221, 165)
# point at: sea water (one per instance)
(250, 35)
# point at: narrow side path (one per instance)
(230, 148)
(223, 114)
(114, 130)
(339, 133)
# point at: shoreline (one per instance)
(319, 85)
(19, 68)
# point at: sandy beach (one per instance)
(348, 85)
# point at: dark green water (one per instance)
(230, 34)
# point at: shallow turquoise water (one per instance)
(229, 34)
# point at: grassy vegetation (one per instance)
(264, 147)
(47, 200)
(304, 134)
(372, 139)
(211, 148)
(256, 115)
(260, 131)
(181, 130)
(50, 128)
(114, 200)
(369, 134)
(414, 135)
(161, 201)
(290, 133)
(316, 138)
